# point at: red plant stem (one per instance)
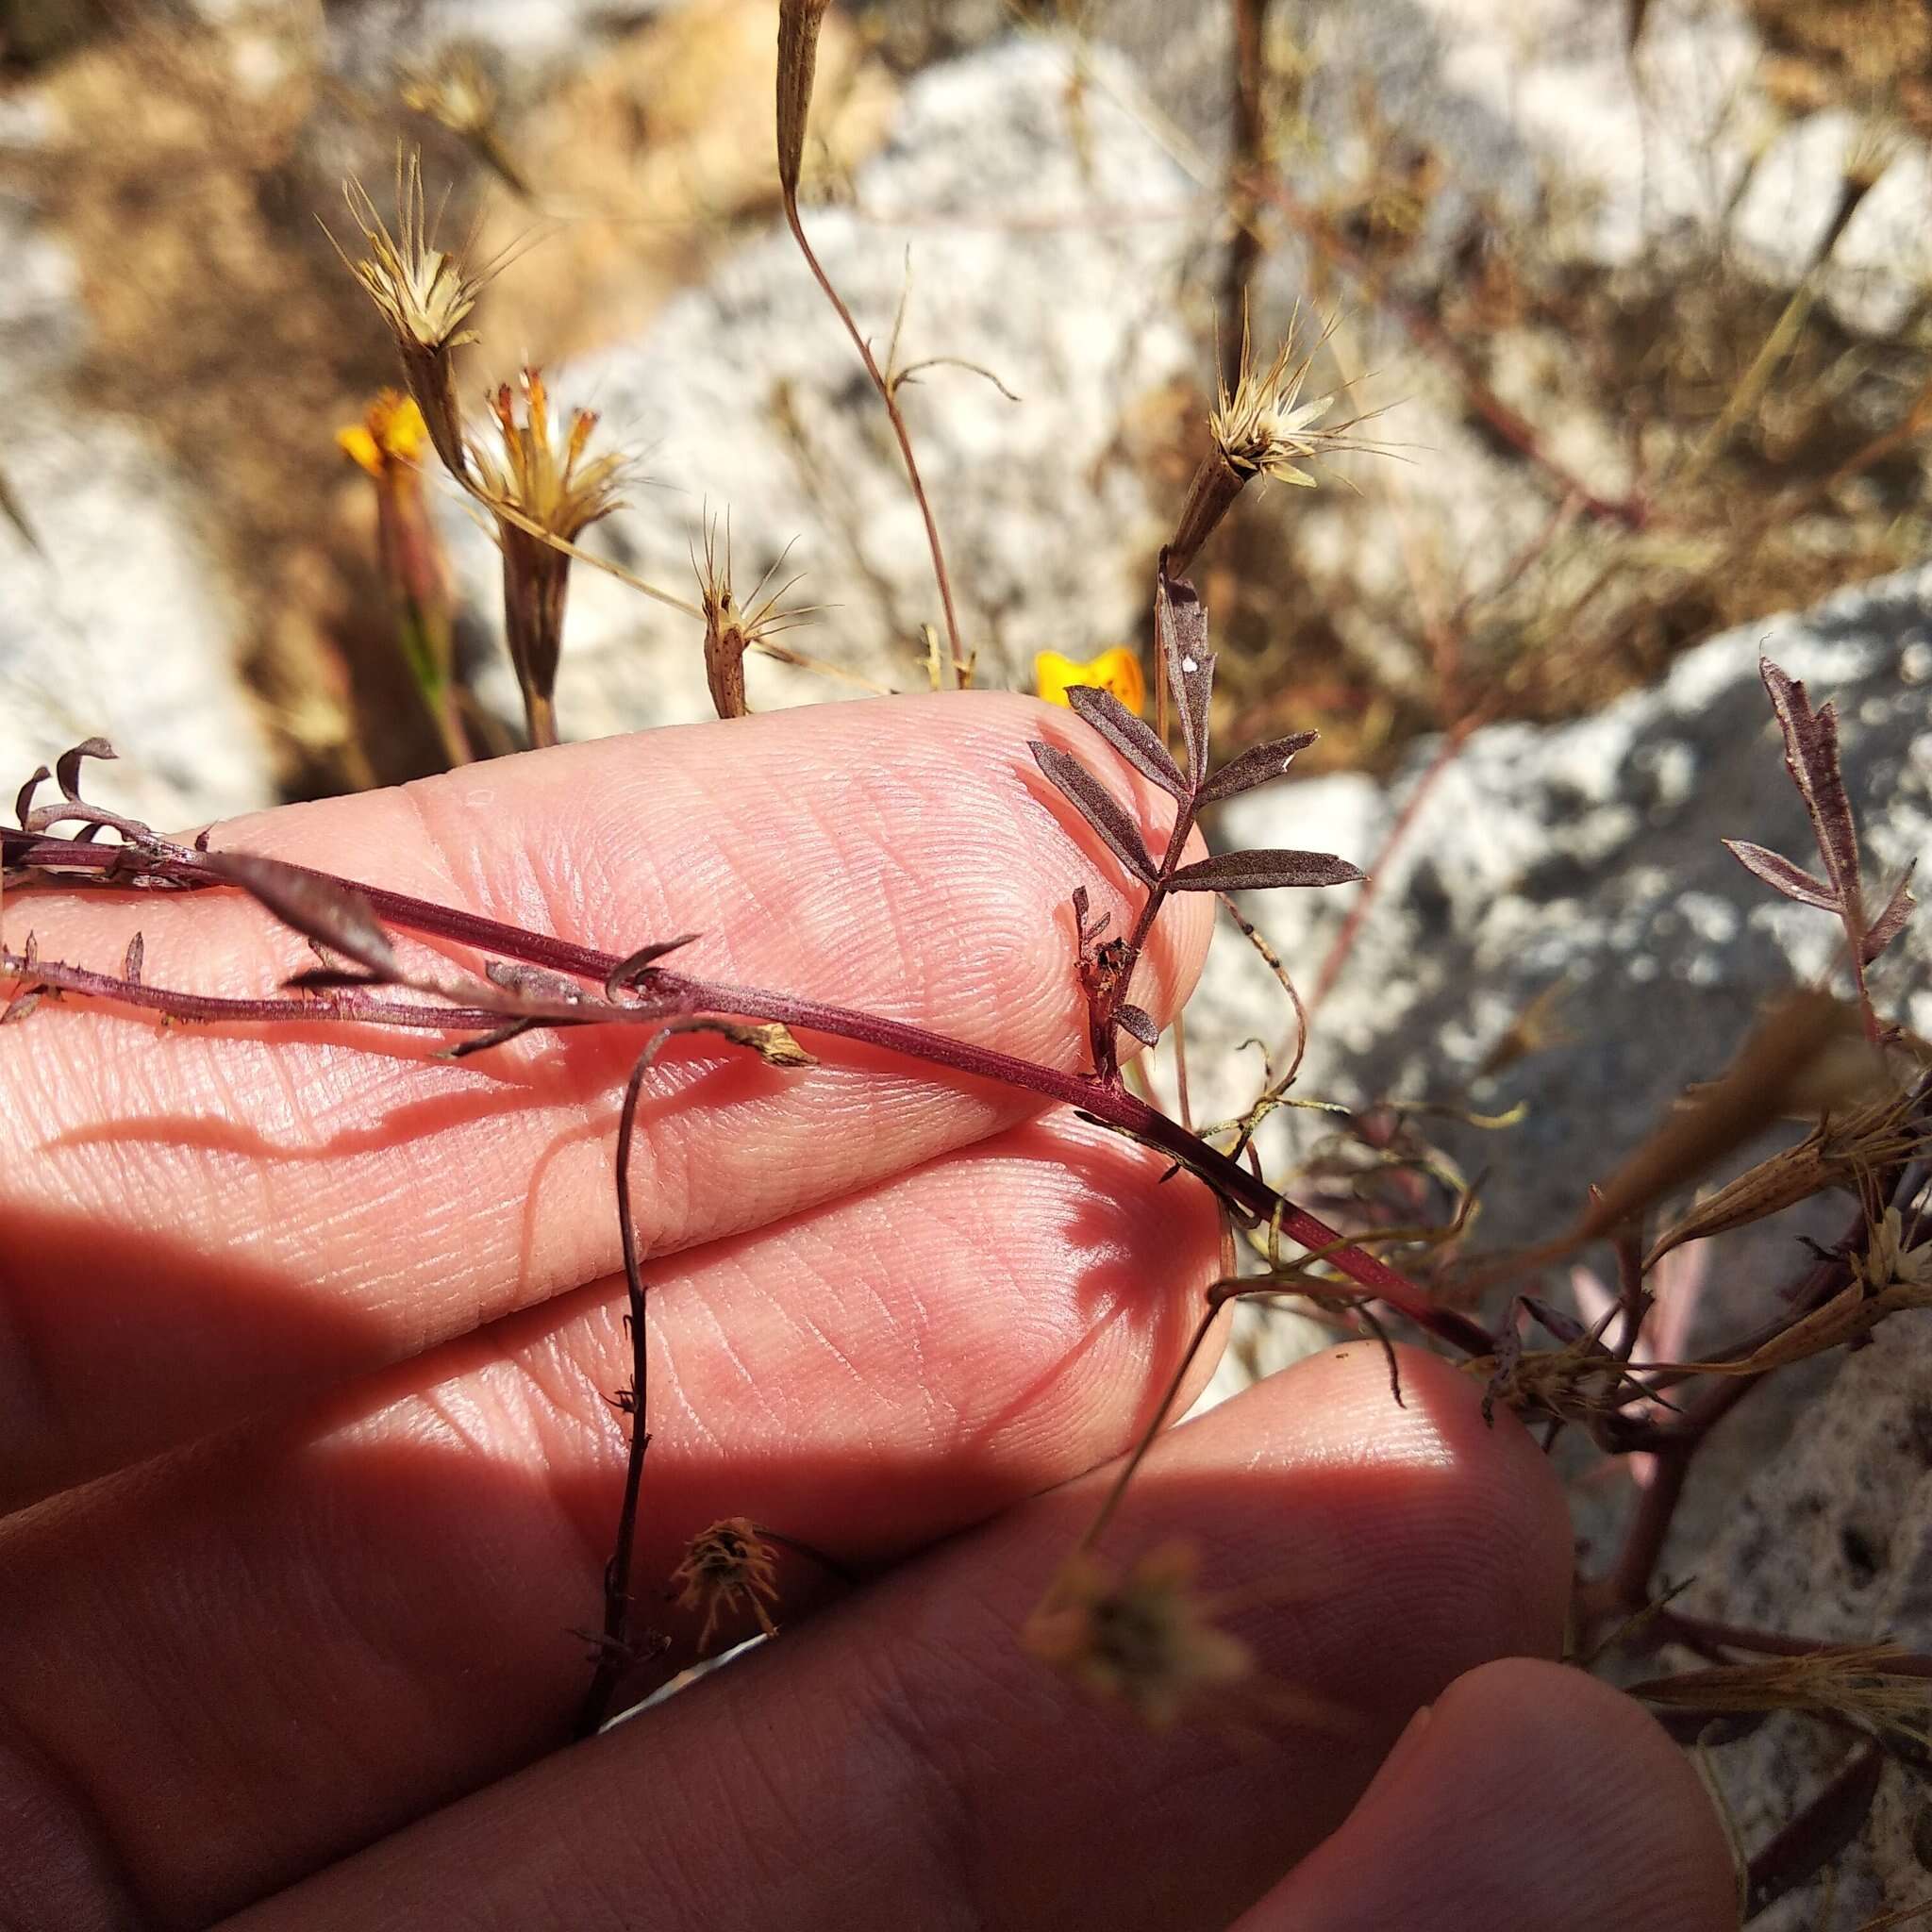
(667, 994)
(885, 388)
(1351, 927)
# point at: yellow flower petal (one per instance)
(1116, 671)
(393, 431)
(361, 447)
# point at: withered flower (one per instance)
(1143, 1638)
(387, 445)
(724, 1567)
(731, 629)
(538, 490)
(1263, 427)
(459, 95)
(424, 295)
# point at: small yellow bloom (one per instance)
(1116, 671)
(392, 432)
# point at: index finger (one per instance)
(196, 1224)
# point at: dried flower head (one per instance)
(1843, 1150)
(538, 490)
(731, 629)
(725, 1567)
(424, 295)
(455, 92)
(1262, 428)
(1116, 671)
(1143, 1638)
(391, 432)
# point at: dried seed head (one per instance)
(1843, 1150)
(424, 294)
(1888, 1266)
(728, 1566)
(1880, 1687)
(1264, 428)
(732, 630)
(538, 490)
(456, 93)
(1143, 1638)
(392, 433)
(1116, 671)
(799, 53)
(1260, 428)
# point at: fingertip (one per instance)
(1532, 1794)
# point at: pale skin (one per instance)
(304, 1347)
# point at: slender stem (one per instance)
(673, 994)
(954, 644)
(615, 1652)
(1352, 924)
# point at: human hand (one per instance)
(304, 1423)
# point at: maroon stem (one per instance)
(669, 995)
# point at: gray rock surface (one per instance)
(1587, 855)
(117, 624)
(1039, 237)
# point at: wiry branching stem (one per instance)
(672, 995)
(954, 643)
(614, 1653)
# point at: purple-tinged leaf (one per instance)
(1262, 870)
(1811, 758)
(1132, 737)
(1256, 766)
(1138, 1022)
(331, 979)
(1829, 1821)
(24, 799)
(1891, 922)
(67, 766)
(1097, 805)
(480, 1043)
(1181, 626)
(131, 964)
(626, 971)
(1781, 876)
(330, 913)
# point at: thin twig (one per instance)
(614, 1653)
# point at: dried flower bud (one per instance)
(728, 1566)
(731, 630)
(799, 53)
(539, 491)
(1143, 1638)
